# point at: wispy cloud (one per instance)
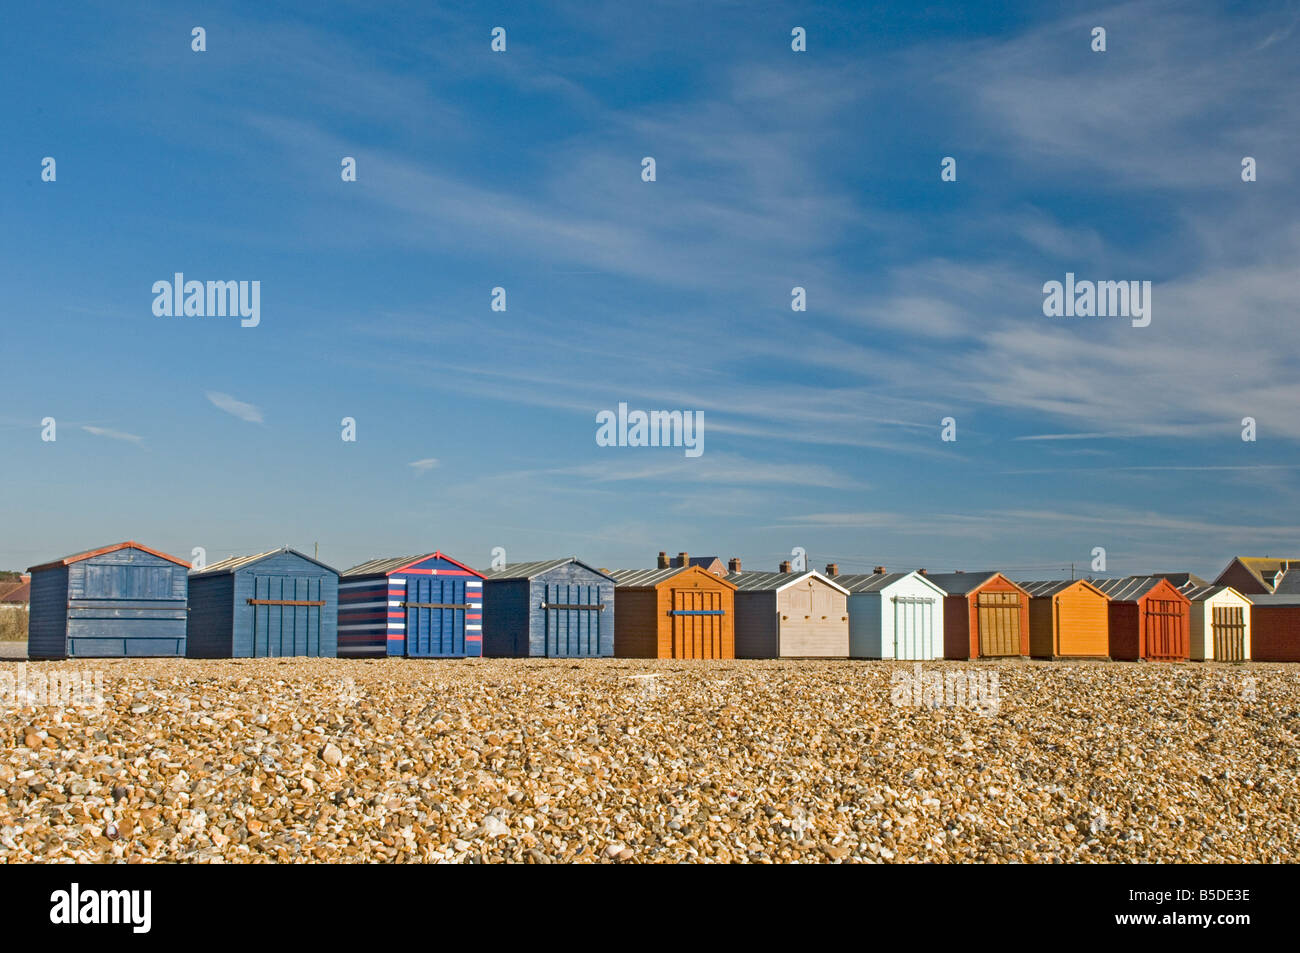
(425, 465)
(112, 434)
(236, 408)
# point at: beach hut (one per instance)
(415, 606)
(269, 605)
(985, 615)
(1149, 618)
(684, 613)
(790, 615)
(893, 615)
(120, 600)
(1275, 627)
(553, 608)
(1068, 618)
(1255, 575)
(1220, 623)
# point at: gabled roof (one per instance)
(392, 564)
(235, 563)
(1208, 591)
(530, 570)
(647, 578)
(18, 593)
(1051, 587)
(775, 581)
(1130, 588)
(962, 583)
(1263, 568)
(78, 557)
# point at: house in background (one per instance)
(1255, 575)
(711, 564)
(16, 594)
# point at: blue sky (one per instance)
(775, 169)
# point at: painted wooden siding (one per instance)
(697, 618)
(636, 623)
(212, 616)
(506, 618)
(756, 625)
(47, 627)
(902, 621)
(814, 621)
(1275, 632)
(1135, 626)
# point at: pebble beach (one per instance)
(629, 761)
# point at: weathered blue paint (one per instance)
(122, 600)
(527, 611)
(240, 608)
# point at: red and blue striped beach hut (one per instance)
(413, 606)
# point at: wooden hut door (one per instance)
(914, 628)
(1164, 629)
(999, 623)
(286, 615)
(697, 623)
(435, 616)
(1229, 633)
(573, 616)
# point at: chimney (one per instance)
(785, 566)
(663, 560)
(879, 570)
(832, 569)
(921, 571)
(733, 564)
(683, 560)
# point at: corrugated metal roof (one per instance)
(773, 581)
(1180, 579)
(869, 581)
(1128, 588)
(637, 578)
(960, 583)
(239, 562)
(535, 568)
(378, 567)
(1042, 588)
(1207, 591)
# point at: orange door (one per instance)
(697, 623)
